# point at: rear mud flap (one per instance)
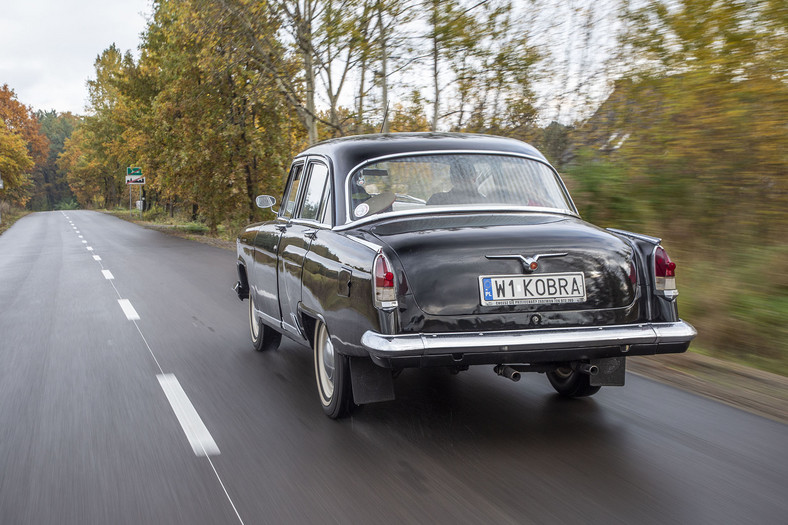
(371, 383)
(611, 371)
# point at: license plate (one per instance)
(532, 289)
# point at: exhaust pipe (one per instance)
(508, 372)
(585, 368)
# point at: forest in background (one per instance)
(689, 141)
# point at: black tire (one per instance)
(332, 373)
(263, 337)
(570, 383)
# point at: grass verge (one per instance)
(9, 215)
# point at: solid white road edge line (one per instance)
(131, 313)
(200, 439)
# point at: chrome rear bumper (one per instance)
(532, 345)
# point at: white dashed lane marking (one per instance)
(131, 313)
(196, 432)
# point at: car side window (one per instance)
(315, 190)
(327, 215)
(292, 191)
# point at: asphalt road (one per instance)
(88, 434)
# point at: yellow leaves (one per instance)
(15, 165)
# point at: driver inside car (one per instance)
(463, 191)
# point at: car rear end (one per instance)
(513, 277)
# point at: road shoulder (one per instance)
(743, 387)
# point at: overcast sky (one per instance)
(47, 47)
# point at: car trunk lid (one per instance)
(475, 264)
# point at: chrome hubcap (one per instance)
(325, 365)
(254, 327)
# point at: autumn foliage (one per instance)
(22, 145)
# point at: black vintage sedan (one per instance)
(444, 250)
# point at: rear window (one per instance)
(454, 180)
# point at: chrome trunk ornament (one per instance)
(529, 263)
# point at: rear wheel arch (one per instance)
(309, 322)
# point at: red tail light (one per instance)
(633, 273)
(664, 271)
(385, 291)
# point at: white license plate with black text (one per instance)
(532, 289)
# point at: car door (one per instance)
(266, 252)
(311, 207)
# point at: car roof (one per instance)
(346, 153)
(356, 149)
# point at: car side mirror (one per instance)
(265, 201)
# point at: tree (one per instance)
(15, 165)
(705, 109)
(51, 186)
(20, 129)
(83, 172)
(20, 119)
(450, 31)
(218, 127)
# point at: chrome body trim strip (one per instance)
(370, 245)
(642, 237)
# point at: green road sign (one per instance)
(134, 171)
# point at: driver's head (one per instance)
(462, 176)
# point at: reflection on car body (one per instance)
(449, 250)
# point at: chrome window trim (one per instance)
(642, 237)
(349, 205)
(370, 245)
(440, 210)
(286, 193)
(309, 166)
(311, 223)
(306, 176)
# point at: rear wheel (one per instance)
(570, 383)
(332, 373)
(263, 337)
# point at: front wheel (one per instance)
(570, 383)
(332, 373)
(263, 337)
